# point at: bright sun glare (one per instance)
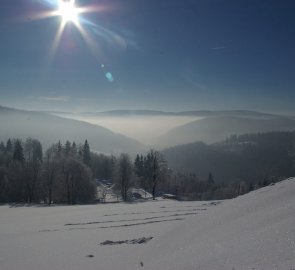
(68, 11)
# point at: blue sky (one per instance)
(150, 54)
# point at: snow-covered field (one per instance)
(254, 231)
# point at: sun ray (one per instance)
(56, 41)
(89, 41)
(69, 12)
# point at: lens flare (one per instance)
(109, 76)
(70, 13)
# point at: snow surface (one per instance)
(254, 231)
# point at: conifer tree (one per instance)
(139, 166)
(18, 153)
(2, 147)
(210, 179)
(9, 146)
(59, 148)
(74, 149)
(67, 148)
(86, 153)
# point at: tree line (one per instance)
(239, 164)
(66, 173)
(60, 174)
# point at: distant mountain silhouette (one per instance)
(207, 126)
(214, 129)
(199, 113)
(50, 129)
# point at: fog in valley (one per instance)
(145, 129)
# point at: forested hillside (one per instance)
(250, 158)
(217, 128)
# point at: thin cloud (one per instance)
(219, 48)
(58, 98)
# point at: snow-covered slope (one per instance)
(254, 231)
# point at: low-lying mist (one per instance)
(145, 129)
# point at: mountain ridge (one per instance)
(214, 129)
(142, 112)
(50, 129)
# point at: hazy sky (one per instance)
(151, 54)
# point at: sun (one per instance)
(68, 11)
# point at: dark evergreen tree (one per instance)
(4, 185)
(80, 152)
(9, 146)
(2, 147)
(18, 153)
(16, 181)
(74, 149)
(210, 179)
(67, 148)
(59, 148)
(86, 153)
(139, 166)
